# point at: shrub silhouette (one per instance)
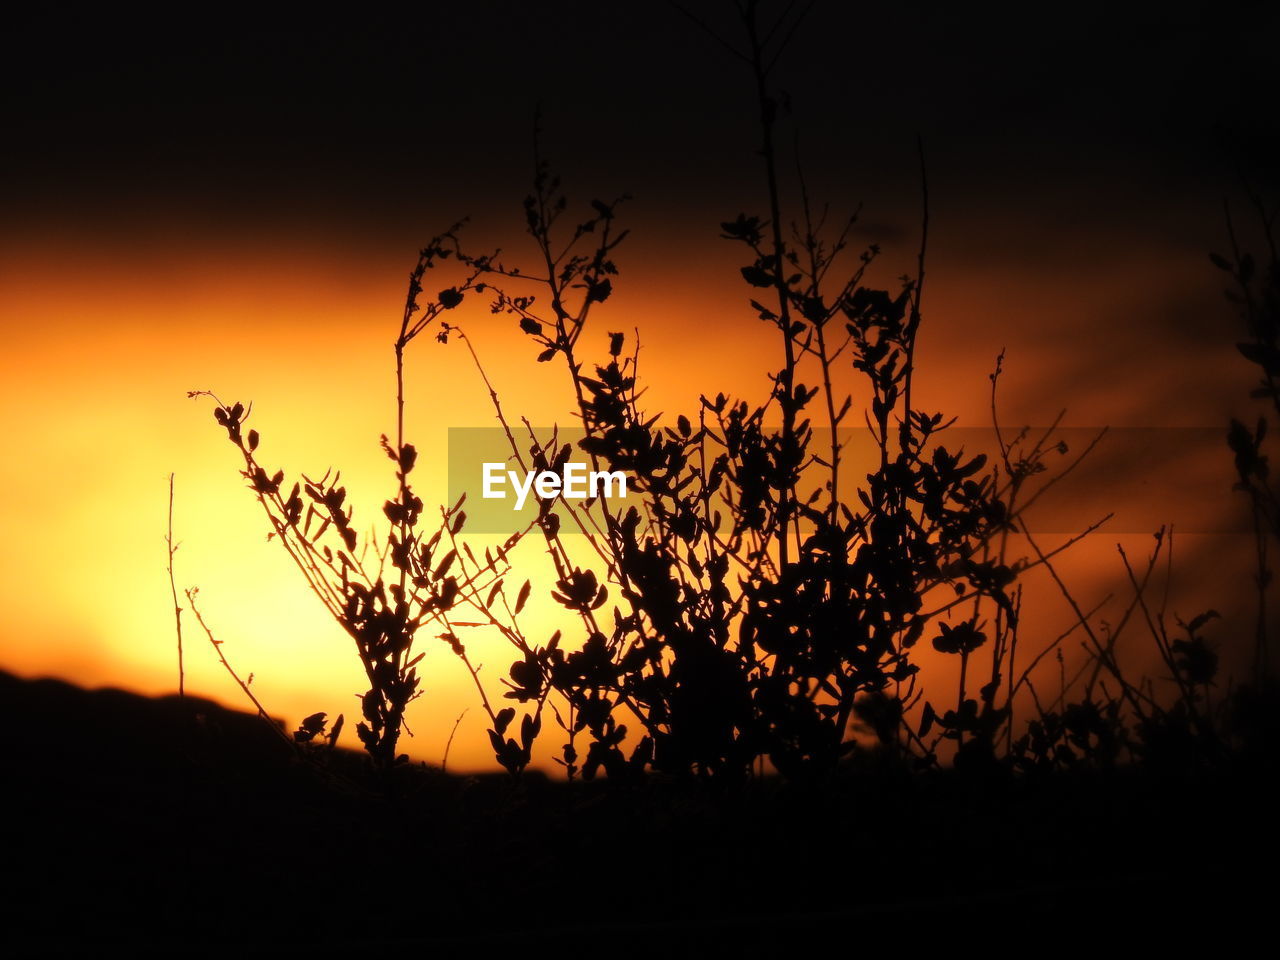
(759, 610)
(761, 603)
(1255, 292)
(382, 605)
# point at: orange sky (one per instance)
(236, 208)
(104, 341)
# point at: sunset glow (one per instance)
(243, 222)
(103, 348)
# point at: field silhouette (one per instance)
(753, 611)
(171, 824)
(793, 698)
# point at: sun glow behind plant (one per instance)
(99, 358)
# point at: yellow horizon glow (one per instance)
(102, 348)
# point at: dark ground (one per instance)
(158, 824)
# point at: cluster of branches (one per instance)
(1255, 292)
(761, 613)
(761, 603)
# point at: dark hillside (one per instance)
(154, 821)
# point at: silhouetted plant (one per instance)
(1255, 291)
(760, 603)
(1249, 724)
(410, 582)
(384, 593)
(755, 614)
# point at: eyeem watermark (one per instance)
(576, 483)
(507, 490)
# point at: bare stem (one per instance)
(173, 591)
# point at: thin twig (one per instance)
(444, 761)
(217, 649)
(173, 591)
